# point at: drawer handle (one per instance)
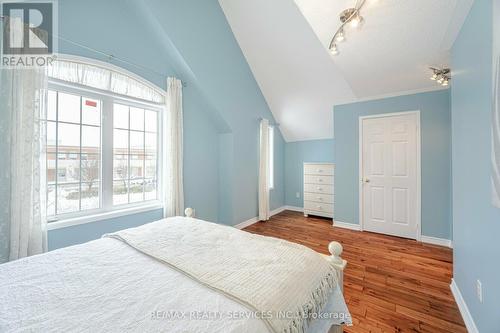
(320, 189)
(320, 180)
(319, 207)
(320, 198)
(320, 170)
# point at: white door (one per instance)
(389, 174)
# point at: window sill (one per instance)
(102, 216)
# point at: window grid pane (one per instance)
(120, 192)
(74, 149)
(150, 189)
(69, 107)
(91, 111)
(120, 167)
(89, 195)
(134, 178)
(68, 170)
(73, 154)
(51, 105)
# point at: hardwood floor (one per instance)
(391, 284)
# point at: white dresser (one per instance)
(318, 189)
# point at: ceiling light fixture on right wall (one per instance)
(441, 76)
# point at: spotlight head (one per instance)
(356, 21)
(340, 36)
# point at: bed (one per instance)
(115, 284)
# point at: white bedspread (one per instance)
(107, 286)
(286, 283)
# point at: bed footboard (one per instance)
(335, 249)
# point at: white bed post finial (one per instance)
(189, 212)
(336, 249)
(336, 261)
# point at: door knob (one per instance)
(367, 180)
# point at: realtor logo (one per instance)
(28, 30)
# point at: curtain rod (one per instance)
(111, 56)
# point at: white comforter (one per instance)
(107, 286)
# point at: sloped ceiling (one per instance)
(286, 45)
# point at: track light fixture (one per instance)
(340, 36)
(441, 76)
(351, 16)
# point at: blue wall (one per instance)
(296, 153)
(201, 34)
(436, 156)
(476, 223)
(201, 165)
(89, 231)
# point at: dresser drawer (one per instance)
(319, 169)
(318, 188)
(318, 197)
(318, 207)
(313, 179)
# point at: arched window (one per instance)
(103, 140)
(104, 77)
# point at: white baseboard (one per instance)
(436, 241)
(346, 225)
(462, 306)
(246, 223)
(278, 210)
(294, 208)
(423, 239)
(254, 220)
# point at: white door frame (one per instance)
(419, 184)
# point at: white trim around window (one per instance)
(69, 222)
(107, 209)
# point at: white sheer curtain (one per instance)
(495, 133)
(173, 196)
(23, 98)
(264, 212)
(99, 77)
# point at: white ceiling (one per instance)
(286, 45)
